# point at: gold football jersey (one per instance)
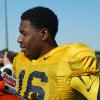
(65, 73)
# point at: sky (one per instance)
(79, 21)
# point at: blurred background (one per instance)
(79, 21)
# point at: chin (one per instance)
(27, 55)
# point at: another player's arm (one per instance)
(87, 85)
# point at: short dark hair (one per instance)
(42, 17)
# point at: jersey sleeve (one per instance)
(82, 60)
(87, 85)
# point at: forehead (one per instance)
(24, 24)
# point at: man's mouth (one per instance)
(22, 48)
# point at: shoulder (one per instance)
(20, 60)
(20, 57)
(78, 48)
(73, 50)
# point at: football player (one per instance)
(46, 71)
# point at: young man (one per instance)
(47, 72)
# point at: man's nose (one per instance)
(20, 39)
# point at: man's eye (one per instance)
(24, 34)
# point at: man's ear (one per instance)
(44, 34)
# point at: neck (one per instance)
(47, 48)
